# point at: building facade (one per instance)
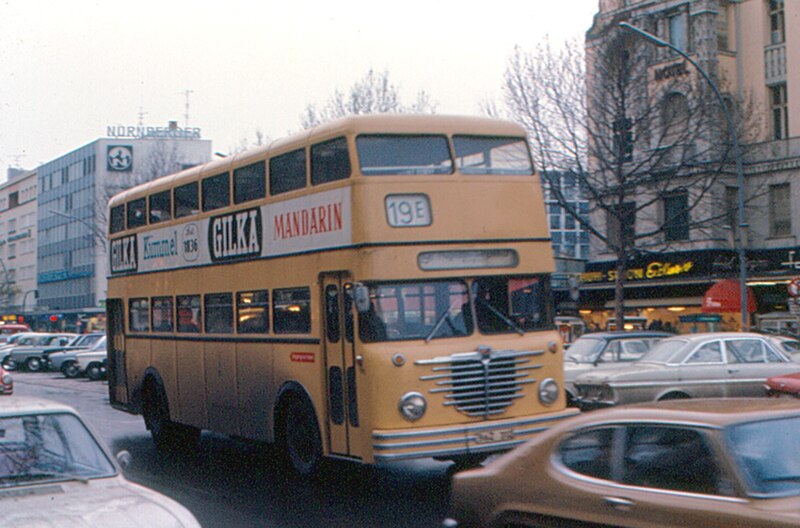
(751, 51)
(17, 245)
(73, 192)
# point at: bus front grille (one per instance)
(482, 383)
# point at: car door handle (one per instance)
(619, 503)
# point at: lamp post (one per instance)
(25, 298)
(737, 154)
(97, 235)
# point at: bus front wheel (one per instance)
(167, 435)
(302, 444)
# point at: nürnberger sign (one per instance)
(139, 131)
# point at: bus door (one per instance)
(115, 339)
(340, 366)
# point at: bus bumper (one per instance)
(446, 441)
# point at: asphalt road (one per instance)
(231, 484)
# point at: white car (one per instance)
(54, 472)
(92, 364)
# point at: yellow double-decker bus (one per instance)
(375, 289)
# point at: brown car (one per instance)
(710, 463)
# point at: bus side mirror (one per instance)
(361, 298)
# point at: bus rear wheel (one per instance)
(301, 441)
(168, 436)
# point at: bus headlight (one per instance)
(548, 391)
(412, 406)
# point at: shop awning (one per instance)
(725, 295)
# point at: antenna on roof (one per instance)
(186, 94)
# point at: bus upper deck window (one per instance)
(216, 192)
(250, 183)
(330, 161)
(384, 154)
(492, 155)
(186, 200)
(136, 213)
(117, 219)
(287, 172)
(160, 207)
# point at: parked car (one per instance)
(713, 463)
(30, 356)
(721, 364)
(789, 345)
(21, 339)
(55, 472)
(9, 329)
(605, 350)
(64, 361)
(784, 385)
(81, 342)
(6, 382)
(91, 363)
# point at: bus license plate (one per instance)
(498, 435)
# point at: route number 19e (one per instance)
(408, 210)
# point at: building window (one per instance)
(723, 42)
(780, 210)
(621, 225)
(676, 216)
(777, 25)
(677, 30)
(731, 206)
(675, 114)
(623, 138)
(780, 111)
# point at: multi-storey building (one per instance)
(73, 191)
(750, 50)
(17, 244)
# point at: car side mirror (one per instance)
(124, 458)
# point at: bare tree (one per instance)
(652, 155)
(258, 140)
(373, 93)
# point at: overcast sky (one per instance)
(70, 68)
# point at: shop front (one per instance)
(694, 291)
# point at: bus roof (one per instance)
(370, 123)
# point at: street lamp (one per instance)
(97, 235)
(737, 154)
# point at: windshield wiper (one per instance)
(439, 322)
(511, 324)
(56, 475)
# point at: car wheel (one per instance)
(70, 369)
(168, 436)
(302, 444)
(93, 371)
(34, 364)
(9, 364)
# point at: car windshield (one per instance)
(36, 448)
(584, 350)
(769, 462)
(440, 309)
(667, 351)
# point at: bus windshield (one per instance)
(492, 155)
(381, 154)
(441, 309)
